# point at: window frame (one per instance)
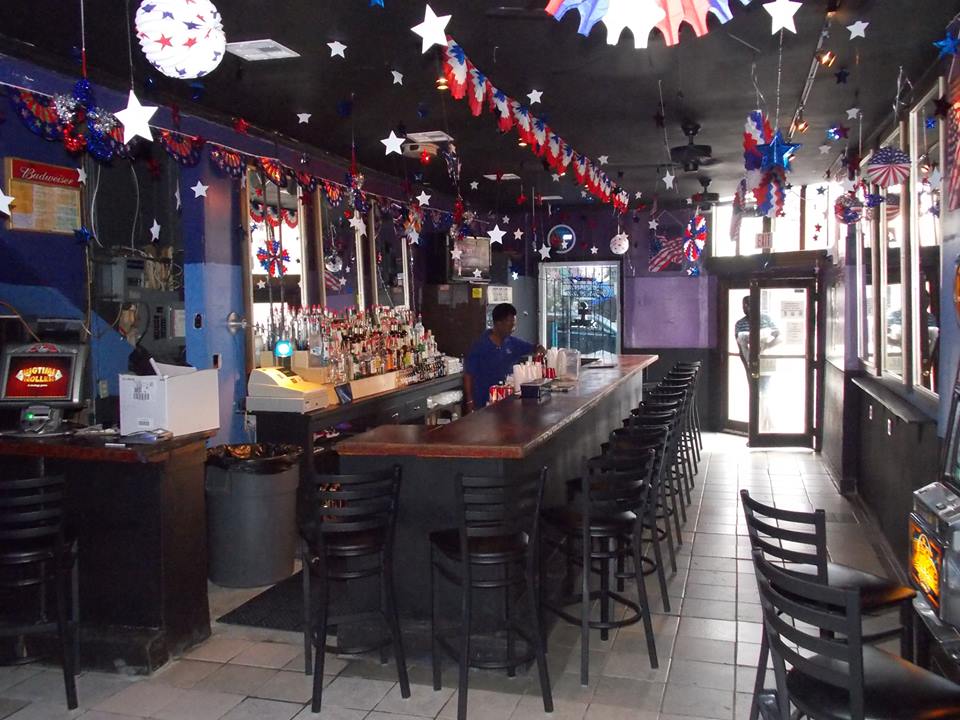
(937, 90)
(901, 134)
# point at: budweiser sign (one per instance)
(43, 174)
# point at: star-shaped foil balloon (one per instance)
(777, 152)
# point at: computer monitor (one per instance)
(42, 374)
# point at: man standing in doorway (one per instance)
(493, 356)
(769, 336)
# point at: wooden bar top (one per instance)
(511, 429)
(94, 449)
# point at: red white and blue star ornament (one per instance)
(273, 258)
(777, 152)
(888, 166)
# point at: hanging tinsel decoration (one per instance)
(84, 126)
(229, 162)
(360, 202)
(185, 149)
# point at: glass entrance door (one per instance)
(580, 306)
(776, 337)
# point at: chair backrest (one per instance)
(31, 511)
(500, 505)
(616, 484)
(795, 540)
(361, 502)
(814, 628)
(640, 440)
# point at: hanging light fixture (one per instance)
(442, 85)
(826, 58)
(800, 125)
(183, 39)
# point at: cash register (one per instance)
(280, 389)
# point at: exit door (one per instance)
(771, 345)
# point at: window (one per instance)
(866, 300)
(927, 163)
(893, 235)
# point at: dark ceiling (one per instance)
(601, 99)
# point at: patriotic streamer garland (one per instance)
(767, 181)
(465, 80)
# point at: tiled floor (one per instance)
(708, 645)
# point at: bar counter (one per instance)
(513, 436)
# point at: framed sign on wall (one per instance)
(46, 197)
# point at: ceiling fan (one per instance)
(691, 157)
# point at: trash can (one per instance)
(251, 513)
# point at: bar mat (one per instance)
(277, 608)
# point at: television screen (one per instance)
(44, 373)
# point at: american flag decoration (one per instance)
(273, 258)
(665, 254)
(888, 166)
(331, 280)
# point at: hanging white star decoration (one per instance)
(518, 234)
(393, 143)
(496, 235)
(423, 198)
(176, 195)
(456, 253)
(668, 179)
(357, 223)
(155, 230)
(432, 29)
(781, 15)
(81, 176)
(515, 275)
(858, 29)
(303, 118)
(397, 77)
(477, 274)
(594, 250)
(474, 185)
(544, 252)
(5, 201)
(337, 49)
(136, 119)
(200, 190)
(261, 284)
(534, 96)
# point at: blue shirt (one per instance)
(490, 364)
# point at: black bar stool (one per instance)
(348, 523)
(678, 483)
(797, 541)
(35, 557)
(816, 628)
(497, 548)
(607, 518)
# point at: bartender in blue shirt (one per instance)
(493, 356)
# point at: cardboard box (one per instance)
(183, 403)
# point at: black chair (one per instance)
(348, 523)
(797, 541)
(816, 629)
(607, 519)
(678, 483)
(36, 558)
(495, 548)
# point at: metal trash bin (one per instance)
(251, 513)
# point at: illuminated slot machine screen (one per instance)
(42, 373)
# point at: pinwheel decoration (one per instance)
(273, 258)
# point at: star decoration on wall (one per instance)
(5, 201)
(841, 75)
(853, 113)
(397, 77)
(337, 49)
(535, 96)
(474, 185)
(261, 284)
(594, 250)
(200, 190)
(496, 235)
(81, 176)
(518, 234)
(393, 144)
(423, 198)
(947, 46)
(544, 252)
(668, 179)
(357, 223)
(432, 29)
(781, 15)
(136, 119)
(858, 29)
(303, 118)
(155, 230)
(456, 253)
